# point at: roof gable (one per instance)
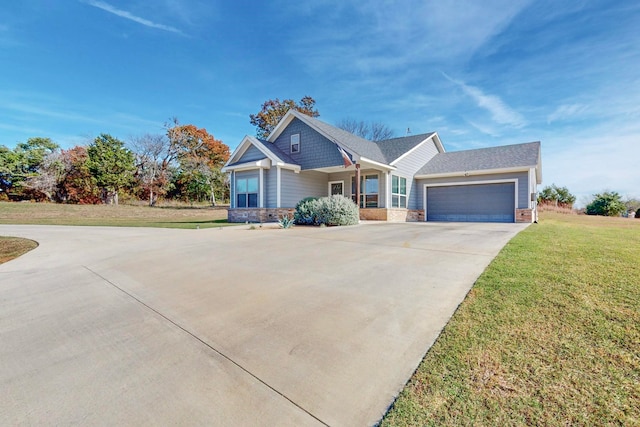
(396, 148)
(270, 152)
(355, 145)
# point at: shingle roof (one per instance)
(357, 145)
(278, 152)
(396, 147)
(506, 156)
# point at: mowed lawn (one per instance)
(111, 215)
(549, 335)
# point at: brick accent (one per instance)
(392, 214)
(258, 214)
(373, 214)
(415, 215)
(524, 215)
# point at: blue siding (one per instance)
(270, 184)
(316, 151)
(297, 186)
(417, 201)
(410, 164)
(251, 154)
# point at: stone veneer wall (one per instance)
(258, 214)
(392, 214)
(373, 214)
(524, 215)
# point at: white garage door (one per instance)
(472, 203)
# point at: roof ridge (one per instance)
(493, 147)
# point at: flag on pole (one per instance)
(345, 157)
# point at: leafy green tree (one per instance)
(23, 163)
(274, 110)
(112, 165)
(8, 166)
(607, 203)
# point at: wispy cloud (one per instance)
(566, 111)
(128, 15)
(500, 112)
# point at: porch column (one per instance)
(278, 187)
(232, 190)
(358, 185)
(261, 188)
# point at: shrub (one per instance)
(334, 210)
(285, 222)
(304, 213)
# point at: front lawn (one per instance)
(109, 215)
(549, 335)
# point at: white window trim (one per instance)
(405, 195)
(452, 184)
(235, 192)
(363, 189)
(335, 182)
(292, 143)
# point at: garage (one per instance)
(493, 202)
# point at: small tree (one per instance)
(373, 131)
(22, 164)
(77, 184)
(607, 203)
(274, 110)
(154, 156)
(200, 157)
(47, 179)
(112, 165)
(557, 196)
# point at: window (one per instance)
(336, 188)
(246, 192)
(368, 191)
(398, 192)
(295, 143)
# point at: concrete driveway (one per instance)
(307, 326)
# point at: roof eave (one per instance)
(407, 153)
(378, 164)
(475, 172)
(256, 164)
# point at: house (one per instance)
(410, 178)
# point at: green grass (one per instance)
(549, 335)
(117, 216)
(13, 247)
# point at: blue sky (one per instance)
(494, 72)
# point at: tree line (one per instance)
(183, 163)
(606, 203)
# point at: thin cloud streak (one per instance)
(127, 15)
(500, 112)
(566, 111)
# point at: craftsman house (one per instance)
(410, 178)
